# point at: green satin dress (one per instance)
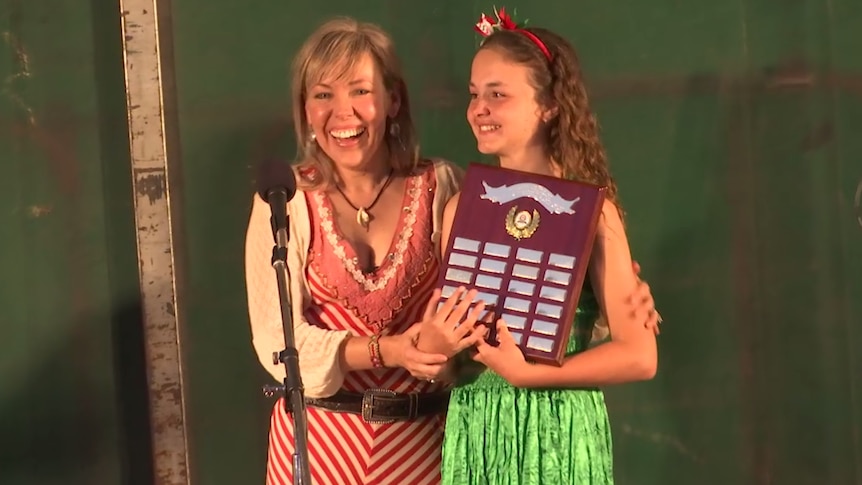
(497, 434)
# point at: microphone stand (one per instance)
(294, 400)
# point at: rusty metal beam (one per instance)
(152, 187)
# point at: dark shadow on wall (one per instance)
(51, 434)
(136, 450)
(58, 426)
(126, 318)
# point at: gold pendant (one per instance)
(362, 217)
(522, 225)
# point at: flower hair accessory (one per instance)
(485, 27)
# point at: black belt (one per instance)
(382, 405)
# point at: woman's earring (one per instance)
(310, 143)
(395, 132)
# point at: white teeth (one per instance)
(347, 133)
(488, 127)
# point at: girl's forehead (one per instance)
(493, 69)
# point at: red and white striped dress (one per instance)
(343, 449)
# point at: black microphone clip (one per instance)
(276, 185)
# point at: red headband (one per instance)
(486, 27)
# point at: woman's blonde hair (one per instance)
(332, 51)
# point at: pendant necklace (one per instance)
(363, 218)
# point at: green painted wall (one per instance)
(731, 136)
(72, 384)
(732, 132)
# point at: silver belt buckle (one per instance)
(368, 405)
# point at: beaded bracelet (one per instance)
(374, 352)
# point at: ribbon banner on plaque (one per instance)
(523, 241)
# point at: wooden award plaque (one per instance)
(524, 242)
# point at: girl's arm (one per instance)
(630, 355)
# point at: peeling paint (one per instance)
(37, 211)
(23, 72)
(151, 185)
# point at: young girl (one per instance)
(515, 422)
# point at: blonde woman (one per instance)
(364, 229)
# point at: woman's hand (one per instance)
(400, 351)
(643, 304)
(454, 327)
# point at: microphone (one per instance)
(276, 185)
